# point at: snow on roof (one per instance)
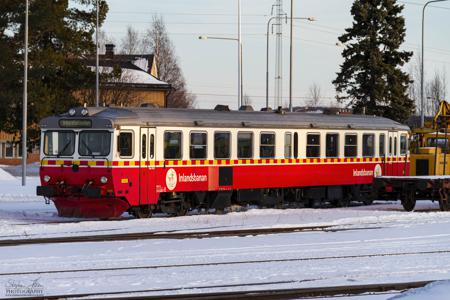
(437, 290)
(133, 76)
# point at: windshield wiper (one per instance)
(91, 153)
(63, 149)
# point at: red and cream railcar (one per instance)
(101, 162)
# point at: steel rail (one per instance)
(223, 263)
(267, 294)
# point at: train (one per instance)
(99, 162)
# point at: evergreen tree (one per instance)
(371, 78)
(60, 35)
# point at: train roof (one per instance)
(149, 116)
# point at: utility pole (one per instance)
(291, 55)
(240, 83)
(96, 62)
(279, 55)
(25, 101)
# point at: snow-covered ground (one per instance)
(384, 244)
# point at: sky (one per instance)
(210, 66)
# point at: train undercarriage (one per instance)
(179, 204)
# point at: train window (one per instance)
(390, 146)
(351, 145)
(144, 146)
(267, 145)
(58, 143)
(332, 145)
(295, 145)
(245, 145)
(172, 145)
(313, 145)
(288, 145)
(94, 143)
(368, 145)
(403, 144)
(125, 144)
(152, 146)
(198, 147)
(395, 146)
(382, 145)
(222, 145)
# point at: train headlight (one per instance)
(72, 112)
(47, 178)
(84, 112)
(103, 179)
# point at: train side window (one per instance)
(267, 145)
(172, 145)
(198, 147)
(313, 145)
(152, 146)
(222, 145)
(368, 145)
(332, 145)
(390, 146)
(125, 144)
(403, 144)
(295, 145)
(382, 145)
(395, 146)
(351, 145)
(245, 145)
(288, 145)
(144, 146)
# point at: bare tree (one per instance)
(435, 92)
(131, 43)
(104, 39)
(157, 41)
(414, 85)
(314, 96)
(246, 100)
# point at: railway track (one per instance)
(174, 235)
(250, 293)
(225, 263)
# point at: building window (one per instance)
(9, 150)
(172, 145)
(351, 145)
(198, 146)
(313, 145)
(382, 145)
(368, 145)
(267, 145)
(222, 145)
(288, 145)
(245, 145)
(125, 144)
(332, 145)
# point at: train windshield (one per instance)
(59, 143)
(94, 143)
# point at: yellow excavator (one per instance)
(430, 145)
(429, 173)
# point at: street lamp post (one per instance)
(240, 59)
(422, 105)
(311, 19)
(25, 101)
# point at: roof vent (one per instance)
(109, 50)
(266, 109)
(220, 107)
(280, 110)
(246, 108)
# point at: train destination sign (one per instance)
(75, 123)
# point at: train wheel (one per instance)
(409, 198)
(143, 212)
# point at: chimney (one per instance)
(109, 50)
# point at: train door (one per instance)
(147, 174)
(392, 166)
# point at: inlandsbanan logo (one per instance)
(171, 179)
(192, 178)
(32, 288)
(361, 173)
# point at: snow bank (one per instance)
(11, 188)
(437, 290)
(6, 176)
